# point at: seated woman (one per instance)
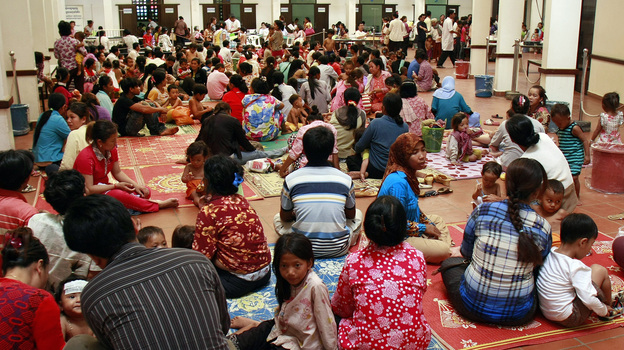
(262, 115)
(541, 147)
(428, 233)
(235, 96)
(447, 102)
(77, 118)
(50, 134)
(224, 135)
(379, 136)
(100, 158)
(315, 91)
(369, 273)
(346, 120)
(415, 109)
(229, 232)
(376, 84)
(31, 318)
(504, 242)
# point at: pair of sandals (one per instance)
(617, 307)
(619, 216)
(431, 193)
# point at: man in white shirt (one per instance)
(447, 40)
(113, 55)
(226, 54)
(88, 30)
(360, 33)
(397, 32)
(428, 21)
(134, 53)
(152, 24)
(232, 25)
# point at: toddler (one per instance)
(68, 298)
(608, 130)
(459, 143)
(174, 97)
(572, 141)
(193, 175)
(537, 107)
(152, 237)
(489, 175)
(183, 236)
(569, 291)
(184, 71)
(195, 103)
(148, 38)
(429, 47)
(297, 115)
(304, 318)
(79, 48)
(549, 207)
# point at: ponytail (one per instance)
(393, 105)
(352, 98)
(21, 249)
(91, 101)
(312, 80)
(278, 79)
(56, 101)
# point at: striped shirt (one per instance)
(496, 285)
(157, 299)
(572, 148)
(319, 196)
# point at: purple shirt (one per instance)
(426, 72)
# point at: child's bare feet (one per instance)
(168, 203)
(239, 322)
(355, 175)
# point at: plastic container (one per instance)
(462, 69)
(19, 118)
(607, 167)
(433, 138)
(484, 85)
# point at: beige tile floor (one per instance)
(453, 207)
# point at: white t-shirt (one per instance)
(447, 36)
(129, 40)
(562, 279)
(397, 30)
(232, 25)
(554, 162)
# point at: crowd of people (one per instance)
(340, 103)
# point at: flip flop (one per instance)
(428, 193)
(491, 122)
(28, 189)
(496, 116)
(619, 216)
(445, 190)
(615, 313)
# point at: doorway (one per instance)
(321, 18)
(128, 18)
(586, 38)
(372, 15)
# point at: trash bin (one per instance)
(608, 167)
(19, 119)
(484, 85)
(462, 69)
(433, 138)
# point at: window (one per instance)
(147, 9)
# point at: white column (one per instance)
(110, 15)
(537, 11)
(509, 27)
(275, 11)
(419, 8)
(482, 11)
(6, 128)
(561, 35)
(37, 11)
(350, 21)
(15, 18)
(196, 15)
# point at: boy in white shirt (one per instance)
(568, 289)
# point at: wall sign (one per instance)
(75, 13)
(169, 10)
(211, 10)
(248, 9)
(321, 9)
(127, 11)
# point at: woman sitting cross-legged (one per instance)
(99, 159)
(504, 242)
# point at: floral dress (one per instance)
(541, 115)
(611, 127)
(414, 111)
(379, 297)
(261, 118)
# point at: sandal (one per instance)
(443, 179)
(445, 190)
(615, 313)
(428, 193)
(492, 122)
(496, 116)
(28, 189)
(619, 216)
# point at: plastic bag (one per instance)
(260, 165)
(182, 116)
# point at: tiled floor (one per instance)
(453, 207)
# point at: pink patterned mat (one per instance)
(471, 170)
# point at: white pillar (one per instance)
(37, 11)
(6, 127)
(481, 13)
(561, 35)
(537, 11)
(15, 18)
(350, 21)
(509, 27)
(110, 15)
(275, 11)
(196, 15)
(419, 8)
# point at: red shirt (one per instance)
(14, 210)
(147, 40)
(87, 163)
(336, 67)
(63, 90)
(30, 318)
(230, 231)
(234, 98)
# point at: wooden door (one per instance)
(248, 16)
(209, 11)
(321, 18)
(127, 18)
(286, 11)
(168, 16)
(224, 11)
(387, 11)
(358, 18)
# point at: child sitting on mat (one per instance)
(549, 207)
(152, 237)
(459, 143)
(193, 175)
(488, 185)
(569, 291)
(297, 116)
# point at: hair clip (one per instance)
(521, 99)
(14, 241)
(237, 180)
(263, 78)
(352, 103)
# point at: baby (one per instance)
(152, 237)
(488, 187)
(549, 207)
(297, 115)
(183, 236)
(193, 175)
(184, 70)
(68, 297)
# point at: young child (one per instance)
(572, 142)
(489, 186)
(294, 326)
(459, 143)
(369, 283)
(193, 175)
(329, 44)
(537, 108)
(68, 298)
(148, 38)
(195, 103)
(183, 71)
(608, 130)
(569, 291)
(174, 97)
(152, 237)
(429, 47)
(297, 115)
(62, 78)
(119, 74)
(549, 207)
(183, 236)
(79, 56)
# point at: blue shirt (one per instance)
(414, 67)
(105, 101)
(49, 147)
(396, 185)
(445, 109)
(378, 137)
(496, 286)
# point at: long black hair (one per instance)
(21, 249)
(91, 101)
(352, 98)
(521, 131)
(314, 84)
(278, 79)
(393, 104)
(56, 101)
(239, 82)
(297, 245)
(101, 83)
